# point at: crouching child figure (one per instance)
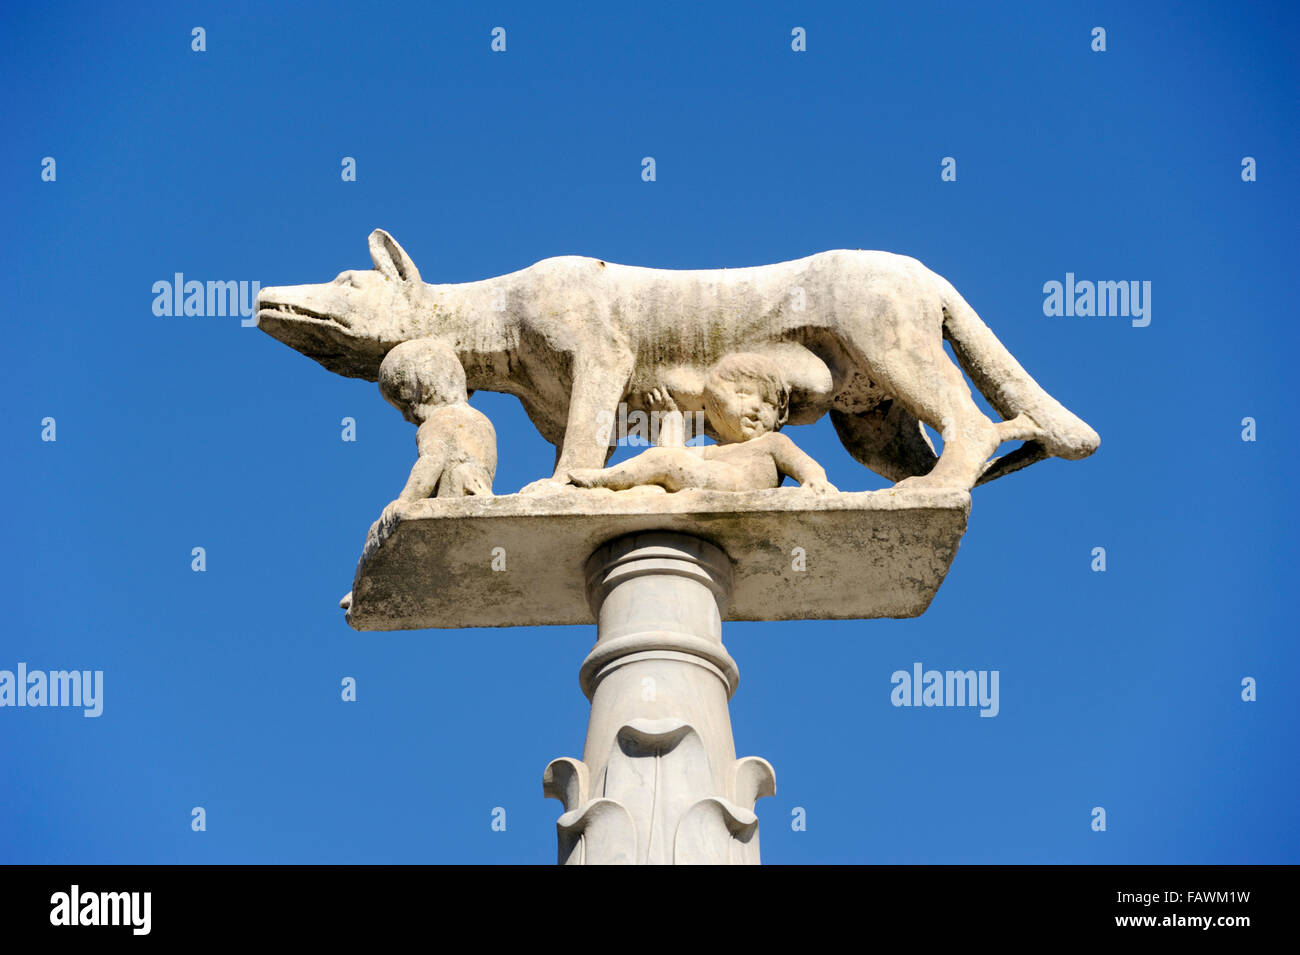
(457, 444)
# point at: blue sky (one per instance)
(1119, 689)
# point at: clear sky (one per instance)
(1119, 689)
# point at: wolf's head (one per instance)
(348, 325)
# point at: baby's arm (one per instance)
(457, 455)
(428, 466)
(672, 429)
(790, 460)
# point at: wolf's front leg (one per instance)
(597, 387)
(599, 384)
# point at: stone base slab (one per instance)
(430, 563)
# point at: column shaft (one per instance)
(659, 782)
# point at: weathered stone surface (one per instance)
(867, 554)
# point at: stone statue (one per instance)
(747, 401)
(857, 334)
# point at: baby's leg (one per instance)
(671, 468)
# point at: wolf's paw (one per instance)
(924, 481)
(821, 487)
(585, 477)
(548, 485)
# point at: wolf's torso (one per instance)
(676, 324)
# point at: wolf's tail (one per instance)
(1012, 392)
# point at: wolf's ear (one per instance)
(391, 259)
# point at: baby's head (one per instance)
(418, 376)
(746, 396)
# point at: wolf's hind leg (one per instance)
(940, 397)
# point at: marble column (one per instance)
(659, 782)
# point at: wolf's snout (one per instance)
(290, 302)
